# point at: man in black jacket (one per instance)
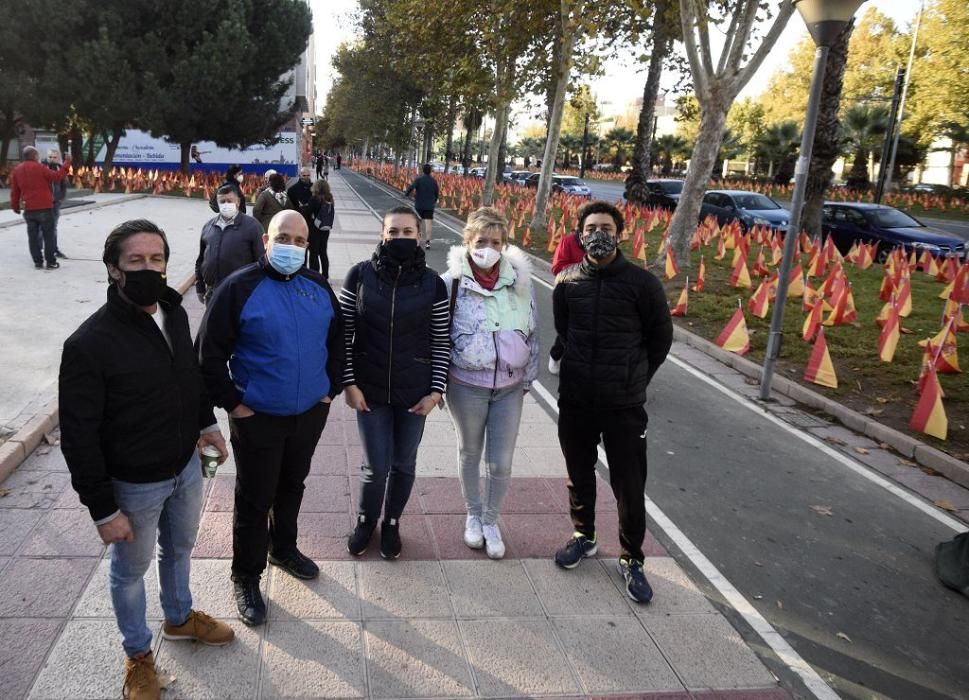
(614, 321)
(229, 241)
(133, 413)
(300, 192)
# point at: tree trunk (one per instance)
(452, 113)
(4, 150)
(827, 137)
(186, 153)
(112, 147)
(466, 156)
(77, 145)
(89, 159)
(503, 151)
(642, 156)
(501, 124)
(858, 175)
(684, 221)
(562, 70)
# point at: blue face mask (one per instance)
(287, 259)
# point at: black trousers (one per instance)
(272, 456)
(623, 434)
(316, 251)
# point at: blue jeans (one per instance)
(390, 437)
(168, 511)
(481, 414)
(40, 235)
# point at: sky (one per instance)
(622, 82)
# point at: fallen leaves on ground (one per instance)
(842, 635)
(822, 510)
(862, 450)
(945, 505)
(4, 492)
(835, 441)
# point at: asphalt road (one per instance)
(611, 191)
(742, 489)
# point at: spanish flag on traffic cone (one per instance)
(734, 337)
(865, 257)
(672, 269)
(929, 416)
(820, 369)
(905, 296)
(698, 286)
(943, 346)
(680, 308)
(740, 277)
(888, 340)
(960, 285)
(795, 288)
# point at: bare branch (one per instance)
(784, 13)
(702, 24)
(731, 37)
(746, 25)
(687, 22)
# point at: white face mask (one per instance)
(485, 258)
(228, 209)
(240, 177)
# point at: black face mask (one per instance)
(143, 287)
(400, 249)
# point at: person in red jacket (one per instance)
(568, 253)
(30, 184)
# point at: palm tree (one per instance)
(569, 145)
(622, 141)
(863, 127)
(777, 146)
(670, 147)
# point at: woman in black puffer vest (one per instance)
(398, 349)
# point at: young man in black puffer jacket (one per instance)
(614, 321)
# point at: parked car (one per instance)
(749, 208)
(930, 188)
(519, 176)
(571, 185)
(532, 180)
(477, 172)
(888, 227)
(663, 193)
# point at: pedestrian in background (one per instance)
(271, 200)
(613, 320)
(395, 319)
(265, 182)
(319, 213)
(30, 192)
(133, 415)
(229, 241)
(299, 192)
(425, 199)
(271, 348)
(58, 191)
(234, 179)
(319, 165)
(494, 360)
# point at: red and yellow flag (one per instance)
(960, 285)
(740, 277)
(820, 369)
(672, 269)
(698, 286)
(942, 346)
(813, 321)
(888, 340)
(865, 257)
(734, 337)
(795, 288)
(904, 296)
(759, 303)
(929, 416)
(760, 268)
(680, 308)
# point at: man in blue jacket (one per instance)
(425, 199)
(271, 351)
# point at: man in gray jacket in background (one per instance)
(229, 241)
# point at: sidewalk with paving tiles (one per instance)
(443, 621)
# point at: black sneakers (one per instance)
(575, 550)
(53, 265)
(296, 564)
(637, 587)
(390, 539)
(39, 265)
(360, 537)
(251, 606)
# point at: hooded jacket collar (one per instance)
(516, 269)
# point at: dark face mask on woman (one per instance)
(400, 249)
(143, 287)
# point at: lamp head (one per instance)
(826, 18)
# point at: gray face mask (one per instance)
(599, 244)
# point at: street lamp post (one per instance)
(825, 20)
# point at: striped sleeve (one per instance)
(348, 309)
(440, 340)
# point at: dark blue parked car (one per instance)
(886, 226)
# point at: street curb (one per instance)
(907, 446)
(18, 447)
(85, 207)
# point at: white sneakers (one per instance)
(477, 536)
(494, 547)
(472, 532)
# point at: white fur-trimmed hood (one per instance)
(513, 254)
